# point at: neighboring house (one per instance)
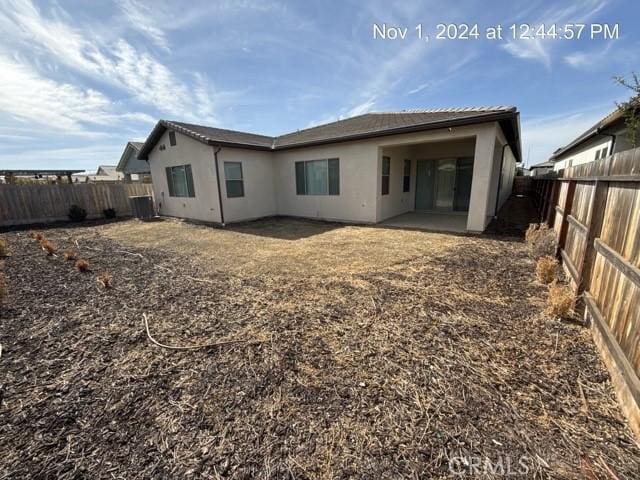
(131, 166)
(542, 168)
(363, 169)
(104, 174)
(605, 138)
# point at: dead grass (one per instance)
(4, 247)
(70, 254)
(105, 279)
(541, 240)
(560, 300)
(82, 265)
(546, 269)
(48, 246)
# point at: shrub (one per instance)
(546, 269)
(105, 279)
(4, 247)
(109, 213)
(3, 287)
(37, 236)
(541, 240)
(77, 214)
(48, 246)
(560, 300)
(82, 265)
(70, 254)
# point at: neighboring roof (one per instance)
(547, 164)
(611, 119)
(129, 149)
(362, 126)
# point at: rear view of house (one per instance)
(455, 163)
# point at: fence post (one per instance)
(566, 211)
(597, 208)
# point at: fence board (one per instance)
(596, 217)
(26, 204)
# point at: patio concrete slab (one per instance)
(439, 222)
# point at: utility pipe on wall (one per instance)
(216, 150)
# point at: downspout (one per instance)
(216, 150)
(495, 210)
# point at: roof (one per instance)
(368, 125)
(611, 119)
(547, 164)
(130, 148)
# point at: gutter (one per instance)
(216, 150)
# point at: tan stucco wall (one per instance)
(205, 205)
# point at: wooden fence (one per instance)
(594, 209)
(29, 204)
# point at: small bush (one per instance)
(48, 246)
(109, 213)
(3, 287)
(105, 279)
(70, 254)
(560, 300)
(546, 269)
(82, 265)
(37, 236)
(77, 214)
(541, 240)
(4, 247)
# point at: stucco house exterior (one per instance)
(364, 169)
(130, 165)
(605, 138)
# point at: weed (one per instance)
(70, 254)
(82, 265)
(105, 279)
(560, 300)
(4, 247)
(546, 269)
(48, 246)
(77, 214)
(541, 240)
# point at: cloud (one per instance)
(142, 17)
(85, 157)
(419, 88)
(542, 135)
(115, 63)
(539, 49)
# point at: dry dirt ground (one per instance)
(369, 353)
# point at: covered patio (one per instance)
(430, 221)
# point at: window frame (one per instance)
(228, 180)
(386, 177)
(187, 172)
(406, 176)
(332, 186)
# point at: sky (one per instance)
(79, 79)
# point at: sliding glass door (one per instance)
(444, 185)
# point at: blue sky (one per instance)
(81, 78)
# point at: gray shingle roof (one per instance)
(362, 126)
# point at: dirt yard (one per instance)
(366, 353)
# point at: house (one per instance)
(130, 166)
(104, 174)
(542, 168)
(605, 138)
(456, 164)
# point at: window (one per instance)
(180, 181)
(603, 152)
(318, 177)
(172, 138)
(406, 178)
(386, 174)
(234, 180)
(597, 154)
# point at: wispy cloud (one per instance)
(540, 49)
(142, 17)
(119, 64)
(541, 135)
(419, 88)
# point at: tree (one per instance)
(630, 108)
